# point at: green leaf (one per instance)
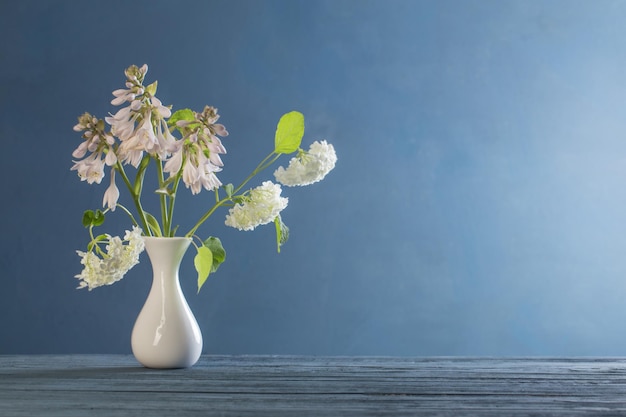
(98, 218)
(153, 224)
(282, 232)
(93, 218)
(219, 254)
(88, 216)
(289, 132)
(182, 114)
(229, 188)
(203, 261)
(152, 88)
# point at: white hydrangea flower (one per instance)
(262, 206)
(308, 167)
(113, 265)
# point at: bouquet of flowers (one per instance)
(182, 145)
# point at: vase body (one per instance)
(166, 333)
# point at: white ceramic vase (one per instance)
(166, 333)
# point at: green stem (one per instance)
(170, 215)
(206, 216)
(132, 218)
(266, 162)
(199, 240)
(94, 244)
(162, 199)
(93, 239)
(135, 197)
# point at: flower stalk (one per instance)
(134, 196)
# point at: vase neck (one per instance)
(166, 253)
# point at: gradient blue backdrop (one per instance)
(478, 206)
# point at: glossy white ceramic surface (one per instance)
(166, 333)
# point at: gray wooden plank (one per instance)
(115, 385)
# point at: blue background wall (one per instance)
(478, 206)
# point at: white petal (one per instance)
(117, 101)
(112, 194)
(121, 92)
(111, 158)
(80, 151)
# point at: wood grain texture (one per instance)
(115, 385)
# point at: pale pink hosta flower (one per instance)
(122, 96)
(95, 138)
(199, 172)
(81, 151)
(133, 157)
(142, 140)
(112, 194)
(157, 141)
(207, 134)
(86, 122)
(175, 161)
(190, 177)
(162, 110)
(134, 87)
(111, 158)
(145, 138)
(220, 129)
(99, 144)
(216, 148)
(262, 206)
(166, 141)
(308, 167)
(211, 131)
(215, 159)
(141, 126)
(153, 135)
(90, 169)
(208, 180)
(198, 152)
(79, 127)
(122, 123)
(136, 74)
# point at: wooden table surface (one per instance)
(115, 385)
